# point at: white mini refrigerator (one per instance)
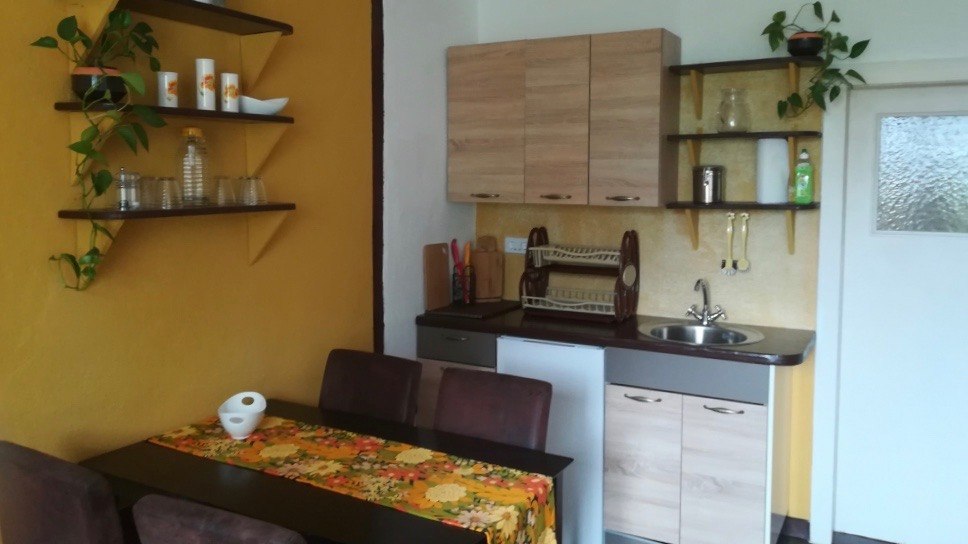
(576, 427)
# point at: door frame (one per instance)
(830, 272)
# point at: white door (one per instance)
(576, 425)
(902, 451)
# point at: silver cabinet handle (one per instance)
(556, 196)
(456, 338)
(622, 198)
(485, 195)
(721, 410)
(639, 398)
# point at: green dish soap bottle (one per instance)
(803, 180)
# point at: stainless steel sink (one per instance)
(701, 335)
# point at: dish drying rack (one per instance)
(542, 258)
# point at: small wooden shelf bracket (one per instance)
(692, 223)
(791, 224)
(262, 229)
(82, 231)
(695, 83)
(793, 73)
(260, 140)
(256, 50)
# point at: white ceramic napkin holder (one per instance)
(241, 413)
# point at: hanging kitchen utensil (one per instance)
(743, 265)
(729, 265)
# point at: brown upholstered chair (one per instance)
(499, 407)
(371, 384)
(166, 520)
(44, 500)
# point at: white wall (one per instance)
(416, 212)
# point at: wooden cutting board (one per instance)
(489, 268)
(436, 262)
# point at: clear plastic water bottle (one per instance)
(193, 167)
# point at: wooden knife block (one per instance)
(489, 269)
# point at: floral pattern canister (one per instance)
(508, 505)
(168, 89)
(230, 92)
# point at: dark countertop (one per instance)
(782, 347)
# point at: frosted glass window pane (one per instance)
(922, 181)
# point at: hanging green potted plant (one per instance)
(106, 105)
(827, 81)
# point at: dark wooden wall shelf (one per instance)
(746, 135)
(788, 206)
(191, 113)
(207, 16)
(114, 214)
(750, 65)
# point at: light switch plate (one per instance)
(515, 245)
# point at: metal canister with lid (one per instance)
(708, 184)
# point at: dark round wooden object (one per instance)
(805, 44)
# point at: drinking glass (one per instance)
(149, 192)
(251, 191)
(169, 194)
(224, 191)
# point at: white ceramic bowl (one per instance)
(241, 413)
(271, 106)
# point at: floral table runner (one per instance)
(509, 505)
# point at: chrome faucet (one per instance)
(704, 316)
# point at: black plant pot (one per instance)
(81, 82)
(805, 44)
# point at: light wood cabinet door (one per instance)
(724, 468)
(643, 433)
(556, 121)
(430, 377)
(634, 105)
(485, 122)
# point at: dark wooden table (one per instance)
(318, 514)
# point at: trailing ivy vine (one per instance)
(121, 39)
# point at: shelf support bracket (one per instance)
(82, 230)
(256, 49)
(692, 222)
(793, 75)
(260, 140)
(695, 82)
(695, 150)
(262, 228)
(791, 224)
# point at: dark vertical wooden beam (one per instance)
(376, 62)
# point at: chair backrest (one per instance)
(44, 499)
(371, 384)
(499, 407)
(166, 520)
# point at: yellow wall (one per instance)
(179, 320)
(779, 290)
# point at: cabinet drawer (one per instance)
(472, 348)
(643, 432)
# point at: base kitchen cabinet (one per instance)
(643, 455)
(731, 482)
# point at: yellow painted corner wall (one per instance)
(178, 320)
(779, 290)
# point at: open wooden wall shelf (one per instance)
(190, 113)
(114, 214)
(207, 16)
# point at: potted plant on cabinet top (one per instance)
(826, 82)
(105, 94)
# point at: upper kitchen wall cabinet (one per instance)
(634, 105)
(556, 121)
(485, 122)
(571, 120)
